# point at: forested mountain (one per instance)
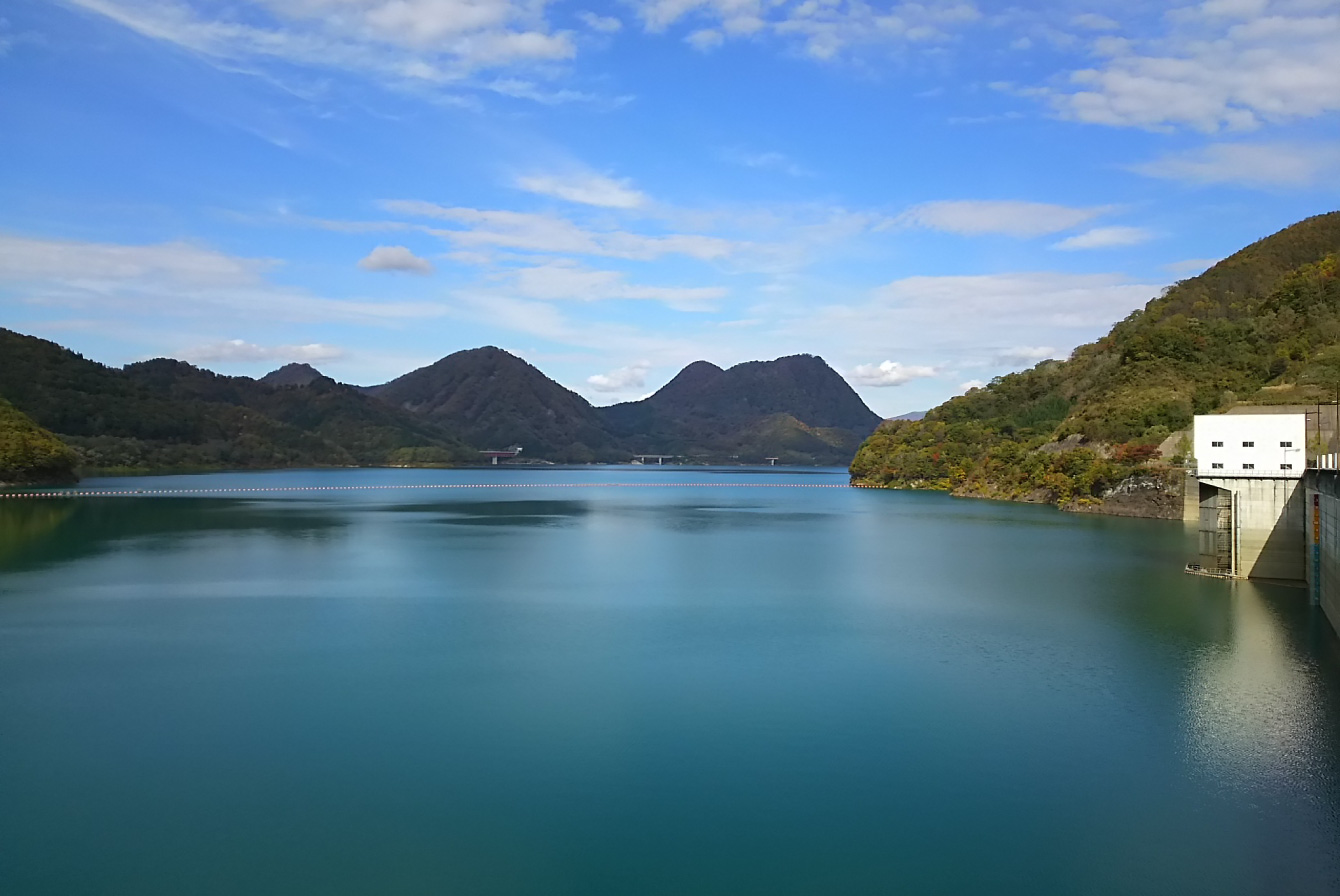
(796, 408)
(167, 414)
(494, 399)
(29, 455)
(1261, 326)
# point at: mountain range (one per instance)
(165, 414)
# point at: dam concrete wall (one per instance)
(1322, 537)
(1253, 527)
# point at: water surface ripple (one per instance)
(645, 690)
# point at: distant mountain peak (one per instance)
(689, 381)
(492, 397)
(292, 375)
(796, 406)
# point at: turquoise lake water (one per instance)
(649, 688)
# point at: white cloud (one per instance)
(177, 279)
(395, 258)
(1031, 300)
(431, 41)
(634, 376)
(1249, 164)
(585, 188)
(1105, 238)
(973, 217)
(524, 89)
(1025, 354)
(240, 350)
(1225, 65)
(605, 24)
(971, 384)
(819, 29)
(26, 259)
(963, 319)
(890, 373)
(532, 232)
(561, 280)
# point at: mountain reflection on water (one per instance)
(648, 690)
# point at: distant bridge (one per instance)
(659, 458)
(495, 453)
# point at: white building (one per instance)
(1246, 445)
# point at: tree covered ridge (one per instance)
(1072, 430)
(29, 455)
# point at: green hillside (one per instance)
(1258, 326)
(29, 455)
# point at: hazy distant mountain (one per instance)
(291, 375)
(166, 414)
(494, 399)
(796, 408)
(910, 415)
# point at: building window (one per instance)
(1286, 444)
(1216, 466)
(1248, 444)
(1286, 466)
(1216, 444)
(1249, 466)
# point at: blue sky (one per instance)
(926, 194)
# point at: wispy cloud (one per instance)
(1105, 238)
(566, 280)
(28, 259)
(586, 188)
(175, 279)
(535, 232)
(975, 217)
(234, 350)
(426, 41)
(529, 89)
(604, 24)
(1276, 164)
